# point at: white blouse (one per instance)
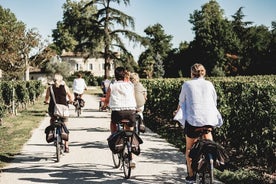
(198, 102)
(122, 96)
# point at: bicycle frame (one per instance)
(206, 163)
(57, 138)
(124, 158)
(77, 105)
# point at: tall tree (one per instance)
(77, 31)
(15, 44)
(95, 26)
(159, 46)
(113, 24)
(214, 38)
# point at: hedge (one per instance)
(248, 108)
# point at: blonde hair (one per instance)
(58, 79)
(134, 77)
(198, 70)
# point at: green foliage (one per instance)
(156, 51)
(247, 104)
(58, 67)
(240, 177)
(88, 27)
(15, 44)
(19, 92)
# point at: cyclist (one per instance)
(79, 86)
(140, 95)
(121, 100)
(61, 92)
(105, 84)
(197, 101)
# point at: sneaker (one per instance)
(191, 179)
(132, 164)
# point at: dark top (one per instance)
(60, 96)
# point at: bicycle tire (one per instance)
(116, 159)
(207, 175)
(78, 111)
(137, 124)
(58, 148)
(126, 160)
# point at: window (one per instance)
(102, 68)
(90, 66)
(77, 67)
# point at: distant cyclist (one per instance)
(79, 86)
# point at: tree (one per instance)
(77, 31)
(16, 44)
(159, 45)
(95, 27)
(213, 38)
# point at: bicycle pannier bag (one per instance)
(82, 103)
(136, 141)
(64, 133)
(116, 142)
(49, 131)
(203, 147)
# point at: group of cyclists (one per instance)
(125, 94)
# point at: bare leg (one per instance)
(189, 144)
(113, 127)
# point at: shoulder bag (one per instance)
(59, 109)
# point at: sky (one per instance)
(173, 15)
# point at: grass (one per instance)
(16, 130)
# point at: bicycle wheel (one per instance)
(207, 176)
(58, 148)
(116, 159)
(78, 111)
(126, 160)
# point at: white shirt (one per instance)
(198, 101)
(79, 85)
(122, 96)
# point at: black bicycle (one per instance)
(124, 146)
(78, 103)
(203, 156)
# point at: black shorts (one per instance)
(130, 115)
(190, 132)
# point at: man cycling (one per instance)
(79, 86)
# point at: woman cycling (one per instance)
(197, 101)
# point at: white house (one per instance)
(79, 63)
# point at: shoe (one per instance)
(66, 150)
(132, 164)
(142, 128)
(191, 179)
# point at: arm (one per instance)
(106, 102)
(47, 96)
(181, 99)
(69, 94)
